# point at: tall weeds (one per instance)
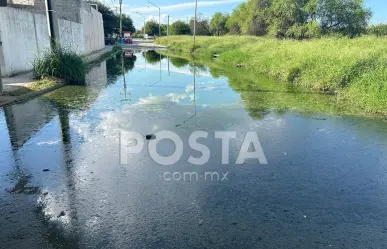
(61, 62)
(354, 69)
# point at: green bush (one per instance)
(62, 63)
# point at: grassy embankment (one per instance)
(354, 69)
(53, 70)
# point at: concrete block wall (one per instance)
(94, 37)
(66, 9)
(72, 35)
(24, 34)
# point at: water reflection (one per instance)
(88, 200)
(194, 98)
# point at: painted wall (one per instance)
(24, 34)
(64, 8)
(94, 37)
(71, 35)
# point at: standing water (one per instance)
(67, 181)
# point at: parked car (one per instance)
(109, 40)
(128, 53)
(128, 40)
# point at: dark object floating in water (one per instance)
(46, 170)
(61, 214)
(150, 137)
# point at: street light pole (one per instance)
(120, 21)
(1, 83)
(2, 4)
(144, 21)
(196, 11)
(159, 17)
(168, 29)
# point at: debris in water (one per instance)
(46, 170)
(150, 137)
(61, 214)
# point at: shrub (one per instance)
(62, 63)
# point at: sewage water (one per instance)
(63, 185)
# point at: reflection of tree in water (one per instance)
(262, 95)
(179, 62)
(197, 69)
(152, 57)
(114, 67)
(216, 72)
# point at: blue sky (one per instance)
(184, 9)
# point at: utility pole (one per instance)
(196, 11)
(1, 82)
(168, 29)
(3, 3)
(53, 26)
(159, 23)
(159, 17)
(121, 21)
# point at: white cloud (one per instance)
(180, 6)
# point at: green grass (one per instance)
(63, 63)
(33, 87)
(354, 69)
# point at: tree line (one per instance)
(298, 19)
(111, 19)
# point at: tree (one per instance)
(218, 24)
(378, 30)
(164, 28)
(152, 57)
(348, 17)
(250, 18)
(180, 28)
(127, 23)
(202, 25)
(111, 21)
(179, 62)
(152, 28)
(299, 19)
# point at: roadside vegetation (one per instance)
(61, 62)
(33, 87)
(354, 69)
(322, 45)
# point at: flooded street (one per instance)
(63, 185)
